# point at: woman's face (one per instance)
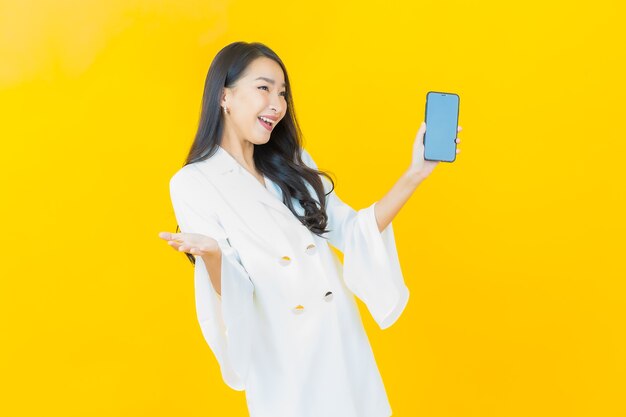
(259, 92)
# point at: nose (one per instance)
(276, 105)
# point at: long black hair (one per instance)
(279, 159)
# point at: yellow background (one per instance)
(514, 254)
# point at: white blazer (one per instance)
(286, 328)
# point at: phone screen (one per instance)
(442, 117)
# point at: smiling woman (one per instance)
(274, 303)
(250, 85)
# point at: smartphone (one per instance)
(442, 120)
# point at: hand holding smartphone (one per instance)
(442, 119)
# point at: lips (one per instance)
(267, 126)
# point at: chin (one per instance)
(265, 138)
(261, 141)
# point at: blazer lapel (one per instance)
(246, 196)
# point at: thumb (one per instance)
(422, 129)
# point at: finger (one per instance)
(186, 248)
(170, 236)
(459, 128)
(175, 246)
(419, 137)
(458, 151)
(176, 237)
(422, 129)
(457, 140)
(189, 249)
(165, 235)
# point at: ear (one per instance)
(225, 96)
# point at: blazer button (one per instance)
(299, 309)
(310, 249)
(328, 296)
(285, 260)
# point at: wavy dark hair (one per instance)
(279, 159)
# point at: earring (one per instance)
(226, 111)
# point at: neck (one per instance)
(241, 151)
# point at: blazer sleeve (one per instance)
(371, 269)
(227, 321)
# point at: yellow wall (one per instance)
(514, 254)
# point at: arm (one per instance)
(213, 264)
(224, 291)
(388, 207)
(371, 268)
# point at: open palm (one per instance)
(193, 243)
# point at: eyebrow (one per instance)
(269, 80)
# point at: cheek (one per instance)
(251, 101)
(253, 105)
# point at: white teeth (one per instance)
(266, 120)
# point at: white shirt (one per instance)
(287, 328)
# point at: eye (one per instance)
(284, 93)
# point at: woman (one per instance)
(274, 303)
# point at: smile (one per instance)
(266, 125)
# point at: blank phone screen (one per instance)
(442, 116)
